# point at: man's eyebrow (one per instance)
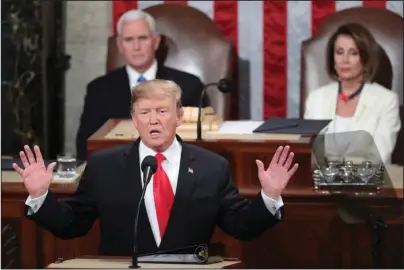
(139, 36)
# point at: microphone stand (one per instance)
(198, 123)
(378, 226)
(146, 178)
(376, 223)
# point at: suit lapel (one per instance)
(123, 79)
(185, 187)
(331, 99)
(186, 179)
(161, 72)
(122, 92)
(132, 168)
(364, 104)
(134, 187)
(328, 104)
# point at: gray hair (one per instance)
(133, 15)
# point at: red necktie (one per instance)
(163, 194)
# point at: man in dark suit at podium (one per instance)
(190, 193)
(109, 96)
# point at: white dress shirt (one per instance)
(134, 76)
(171, 166)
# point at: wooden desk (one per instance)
(106, 262)
(241, 154)
(312, 235)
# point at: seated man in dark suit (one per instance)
(190, 193)
(108, 96)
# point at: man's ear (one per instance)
(135, 124)
(118, 41)
(180, 116)
(157, 40)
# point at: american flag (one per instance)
(267, 35)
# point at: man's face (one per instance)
(137, 44)
(156, 119)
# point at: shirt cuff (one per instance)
(35, 203)
(272, 205)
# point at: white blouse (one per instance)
(343, 124)
(338, 138)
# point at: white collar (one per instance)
(171, 153)
(149, 74)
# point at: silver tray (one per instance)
(348, 176)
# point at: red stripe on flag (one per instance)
(225, 16)
(119, 8)
(275, 58)
(319, 11)
(377, 4)
(176, 2)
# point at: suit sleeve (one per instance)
(243, 219)
(72, 217)
(388, 128)
(91, 120)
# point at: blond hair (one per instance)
(157, 88)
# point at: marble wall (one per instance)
(88, 26)
(22, 74)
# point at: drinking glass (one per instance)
(67, 165)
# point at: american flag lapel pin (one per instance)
(190, 170)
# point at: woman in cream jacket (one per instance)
(365, 115)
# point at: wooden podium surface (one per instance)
(240, 149)
(89, 262)
(315, 233)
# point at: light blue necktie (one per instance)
(141, 79)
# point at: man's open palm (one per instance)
(275, 178)
(35, 175)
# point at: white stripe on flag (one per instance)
(206, 7)
(251, 67)
(251, 51)
(146, 4)
(395, 6)
(340, 5)
(299, 29)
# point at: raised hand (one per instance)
(35, 175)
(275, 178)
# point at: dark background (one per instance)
(33, 69)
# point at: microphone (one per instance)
(195, 254)
(224, 86)
(149, 167)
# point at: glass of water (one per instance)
(67, 165)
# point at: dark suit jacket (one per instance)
(109, 97)
(110, 189)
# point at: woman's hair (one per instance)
(366, 45)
